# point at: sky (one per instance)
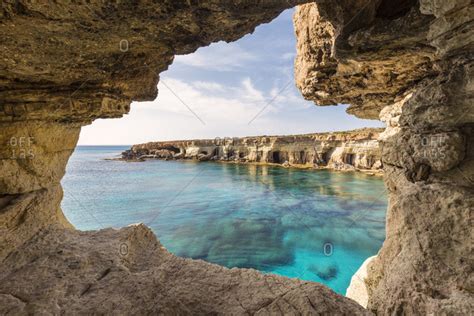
(243, 88)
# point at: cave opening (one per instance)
(435, 67)
(325, 157)
(172, 148)
(302, 156)
(276, 157)
(409, 61)
(273, 188)
(371, 161)
(349, 159)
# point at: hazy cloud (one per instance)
(219, 56)
(227, 85)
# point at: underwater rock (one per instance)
(326, 273)
(128, 270)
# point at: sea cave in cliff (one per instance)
(275, 157)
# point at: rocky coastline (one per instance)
(346, 151)
(66, 64)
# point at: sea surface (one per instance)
(315, 225)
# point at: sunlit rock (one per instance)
(350, 150)
(411, 64)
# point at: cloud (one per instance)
(220, 56)
(208, 86)
(216, 103)
(227, 85)
(226, 111)
(249, 93)
(211, 101)
(288, 56)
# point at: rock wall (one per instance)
(411, 64)
(65, 64)
(349, 150)
(357, 289)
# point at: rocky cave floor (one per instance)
(127, 271)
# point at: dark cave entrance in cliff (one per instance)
(276, 157)
(349, 159)
(325, 158)
(302, 156)
(172, 148)
(371, 160)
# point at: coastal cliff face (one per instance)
(64, 64)
(349, 150)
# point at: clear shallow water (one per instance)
(314, 225)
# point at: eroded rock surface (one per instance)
(357, 289)
(364, 53)
(64, 64)
(411, 64)
(358, 149)
(127, 271)
(89, 59)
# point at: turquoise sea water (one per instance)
(314, 225)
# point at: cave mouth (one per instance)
(349, 159)
(38, 80)
(302, 157)
(325, 157)
(192, 225)
(276, 157)
(172, 148)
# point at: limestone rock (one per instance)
(360, 53)
(128, 271)
(349, 150)
(357, 289)
(34, 154)
(83, 60)
(66, 63)
(411, 64)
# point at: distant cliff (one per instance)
(357, 149)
